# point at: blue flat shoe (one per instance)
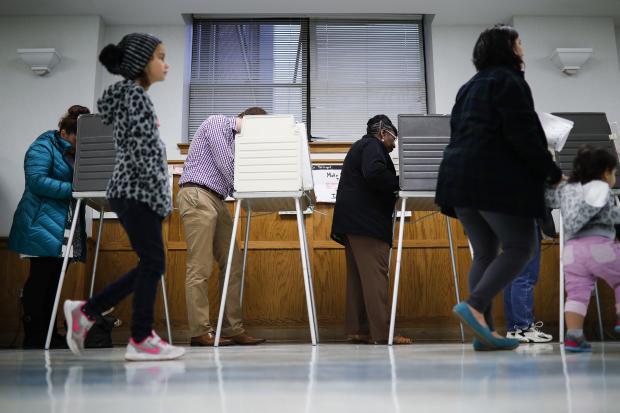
(480, 346)
(482, 333)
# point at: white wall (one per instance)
(31, 104)
(452, 65)
(595, 88)
(167, 96)
(618, 44)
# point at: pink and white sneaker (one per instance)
(78, 325)
(152, 348)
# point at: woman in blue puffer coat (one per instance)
(39, 222)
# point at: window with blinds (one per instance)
(362, 68)
(237, 64)
(357, 69)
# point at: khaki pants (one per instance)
(208, 227)
(367, 309)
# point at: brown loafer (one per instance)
(208, 340)
(245, 340)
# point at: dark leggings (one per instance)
(143, 226)
(38, 297)
(491, 271)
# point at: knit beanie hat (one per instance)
(130, 56)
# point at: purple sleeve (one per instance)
(224, 158)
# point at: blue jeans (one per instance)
(519, 295)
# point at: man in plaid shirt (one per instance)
(207, 180)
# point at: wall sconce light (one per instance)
(40, 61)
(570, 60)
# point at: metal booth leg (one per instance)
(245, 252)
(390, 255)
(601, 331)
(304, 265)
(454, 272)
(63, 271)
(306, 255)
(561, 338)
(231, 250)
(399, 254)
(166, 312)
(99, 232)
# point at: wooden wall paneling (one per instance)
(175, 289)
(546, 292)
(13, 275)
(330, 287)
(275, 289)
(425, 225)
(426, 289)
(322, 222)
(270, 227)
(175, 226)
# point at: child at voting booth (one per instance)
(589, 212)
(138, 192)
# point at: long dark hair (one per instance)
(495, 47)
(591, 163)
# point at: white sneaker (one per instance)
(78, 325)
(517, 335)
(534, 335)
(152, 348)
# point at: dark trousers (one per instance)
(143, 226)
(367, 308)
(38, 298)
(491, 271)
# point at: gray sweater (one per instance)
(587, 209)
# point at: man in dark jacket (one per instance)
(362, 222)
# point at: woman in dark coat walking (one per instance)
(493, 174)
(362, 222)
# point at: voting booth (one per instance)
(590, 128)
(421, 142)
(273, 172)
(95, 155)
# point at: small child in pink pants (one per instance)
(589, 211)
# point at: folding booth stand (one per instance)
(273, 172)
(422, 139)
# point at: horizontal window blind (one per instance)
(360, 68)
(242, 63)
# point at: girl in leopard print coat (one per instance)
(139, 193)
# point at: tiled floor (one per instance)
(330, 377)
